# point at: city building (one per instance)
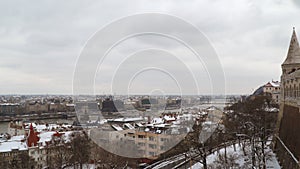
(9, 109)
(32, 143)
(110, 105)
(273, 89)
(173, 103)
(36, 107)
(16, 128)
(11, 106)
(288, 139)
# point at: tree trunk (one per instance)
(225, 154)
(263, 154)
(204, 163)
(253, 153)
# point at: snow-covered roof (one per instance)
(168, 118)
(70, 104)
(19, 142)
(45, 137)
(202, 113)
(17, 138)
(273, 84)
(128, 119)
(139, 124)
(43, 127)
(9, 145)
(211, 108)
(129, 125)
(9, 104)
(116, 127)
(40, 127)
(157, 120)
(160, 125)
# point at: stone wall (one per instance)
(290, 129)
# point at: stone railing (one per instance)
(285, 157)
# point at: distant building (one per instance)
(86, 106)
(145, 103)
(110, 105)
(273, 89)
(148, 140)
(70, 107)
(173, 103)
(16, 128)
(34, 142)
(36, 107)
(10, 109)
(288, 141)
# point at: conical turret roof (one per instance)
(293, 55)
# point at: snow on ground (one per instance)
(85, 166)
(170, 161)
(237, 157)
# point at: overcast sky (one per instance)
(41, 40)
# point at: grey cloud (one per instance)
(41, 40)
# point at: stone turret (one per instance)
(292, 61)
(290, 71)
(288, 126)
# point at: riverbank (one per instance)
(32, 117)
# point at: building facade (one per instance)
(273, 89)
(10, 109)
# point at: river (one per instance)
(4, 125)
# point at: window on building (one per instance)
(141, 144)
(152, 153)
(141, 136)
(164, 139)
(151, 138)
(153, 146)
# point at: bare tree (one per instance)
(222, 162)
(80, 149)
(20, 160)
(58, 152)
(105, 159)
(254, 122)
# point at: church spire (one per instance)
(293, 55)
